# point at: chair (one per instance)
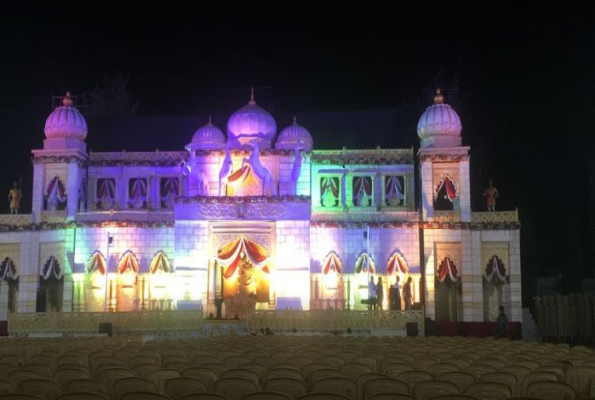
(178, 365)
(63, 376)
(551, 391)
(233, 362)
(81, 396)
(437, 369)
(266, 396)
(44, 370)
(383, 386)
(20, 396)
(582, 379)
(205, 375)
(309, 368)
(372, 362)
(321, 374)
(395, 369)
(144, 396)
(260, 369)
(242, 373)
(300, 361)
(44, 388)
(455, 397)
(333, 361)
(87, 386)
(323, 396)
(293, 387)
(142, 360)
(354, 369)
(20, 375)
(219, 368)
(391, 396)
(235, 388)
(204, 396)
(459, 378)
(478, 370)
(7, 387)
(160, 377)
(145, 369)
(284, 373)
(425, 390)
(109, 376)
(411, 378)
(489, 390)
(339, 385)
(176, 388)
(536, 377)
(361, 381)
(133, 384)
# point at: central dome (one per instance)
(66, 122)
(249, 123)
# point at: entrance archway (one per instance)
(447, 287)
(51, 287)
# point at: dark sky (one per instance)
(524, 75)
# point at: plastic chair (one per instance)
(384, 386)
(266, 396)
(44, 388)
(205, 375)
(459, 378)
(284, 373)
(20, 396)
(18, 376)
(354, 369)
(391, 396)
(81, 396)
(63, 376)
(440, 368)
(323, 396)
(160, 377)
(536, 377)
(339, 385)
(179, 387)
(235, 388)
(582, 380)
(133, 384)
(242, 373)
(547, 390)
(411, 378)
(489, 390)
(395, 369)
(87, 386)
(425, 390)
(292, 387)
(321, 374)
(204, 396)
(144, 396)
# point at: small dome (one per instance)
(251, 122)
(66, 122)
(208, 137)
(294, 135)
(439, 125)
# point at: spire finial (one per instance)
(438, 97)
(252, 102)
(67, 100)
(294, 120)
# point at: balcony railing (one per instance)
(52, 217)
(16, 219)
(494, 217)
(127, 215)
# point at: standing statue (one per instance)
(259, 170)
(226, 170)
(295, 171)
(201, 178)
(491, 193)
(14, 197)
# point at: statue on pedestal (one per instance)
(14, 197)
(491, 193)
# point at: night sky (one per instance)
(521, 77)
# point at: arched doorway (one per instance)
(55, 195)
(445, 194)
(160, 269)
(51, 287)
(9, 282)
(245, 276)
(94, 286)
(448, 287)
(365, 267)
(329, 292)
(398, 267)
(493, 282)
(127, 296)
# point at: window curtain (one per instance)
(106, 190)
(51, 268)
(138, 190)
(128, 263)
(332, 262)
(362, 185)
(170, 188)
(396, 263)
(448, 267)
(231, 256)
(160, 262)
(331, 184)
(96, 263)
(451, 189)
(8, 270)
(393, 188)
(364, 262)
(495, 269)
(56, 189)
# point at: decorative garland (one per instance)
(418, 225)
(229, 200)
(247, 152)
(44, 226)
(444, 157)
(58, 160)
(320, 159)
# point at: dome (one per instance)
(66, 122)
(208, 137)
(439, 125)
(294, 135)
(251, 122)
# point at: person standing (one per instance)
(379, 293)
(371, 294)
(502, 324)
(14, 196)
(407, 295)
(398, 293)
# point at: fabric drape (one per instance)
(55, 189)
(451, 189)
(362, 185)
(96, 263)
(8, 270)
(330, 184)
(448, 267)
(363, 263)
(495, 268)
(138, 190)
(396, 263)
(393, 188)
(51, 268)
(170, 188)
(332, 262)
(230, 258)
(128, 263)
(106, 190)
(160, 262)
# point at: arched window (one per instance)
(396, 264)
(332, 264)
(55, 195)
(96, 263)
(9, 274)
(365, 263)
(445, 193)
(51, 286)
(160, 263)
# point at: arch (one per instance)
(332, 262)
(55, 194)
(495, 269)
(137, 192)
(448, 268)
(448, 290)
(128, 263)
(160, 262)
(8, 270)
(396, 264)
(96, 263)
(362, 263)
(105, 192)
(230, 254)
(449, 184)
(169, 189)
(51, 268)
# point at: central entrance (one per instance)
(242, 268)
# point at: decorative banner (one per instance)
(396, 263)
(448, 267)
(106, 190)
(495, 268)
(96, 263)
(170, 187)
(229, 256)
(138, 190)
(362, 263)
(332, 262)
(128, 262)
(394, 188)
(56, 189)
(332, 184)
(242, 200)
(451, 189)
(8, 270)
(50, 268)
(239, 176)
(160, 262)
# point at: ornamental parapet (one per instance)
(126, 215)
(495, 217)
(16, 219)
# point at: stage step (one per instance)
(530, 331)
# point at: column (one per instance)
(465, 191)
(427, 190)
(72, 190)
(4, 300)
(38, 182)
(67, 293)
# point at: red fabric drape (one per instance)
(448, 267)
(393, 187)
(230, 259)
(56, 188)
(106, 189)
(451, 189)
(138, 190)
(362, 263)
(170, 187)
(396, 263)
(240, 175)
(330, 184)
(96, 263)
(495, 267)
(128, 262)
(160, 261)
(332, 261)
(362, 184)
